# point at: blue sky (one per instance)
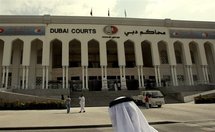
(200, 10)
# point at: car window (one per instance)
(153, 94)
(157, 94)
(149, 93)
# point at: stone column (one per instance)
(27, 71)
(104, 78)
(139, 74)
(176, 78)
(63, 78)
(43, 81)
(122, 77)
(191, 75)
(6, 60)
(7, 72)
(86, 71)
(3, 76)
(206, 72)
(172, 75)
(47, 76)
(142, 77)
(67, 77)
(159, 75)
(156, 76)
(23, 77)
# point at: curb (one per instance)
(54, 127)
(74, 127)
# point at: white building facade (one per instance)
(96, 53)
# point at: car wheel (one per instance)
(159, 106)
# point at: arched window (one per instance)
(129, 54)
(192, 57)
(39, 56)
(178, 57)
(93, 54)
(36, 45)
(75, 53)
(163, 57)
(56, 53)
(112, 55)
(146, 53)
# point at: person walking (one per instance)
(82, 103)
(68, 104)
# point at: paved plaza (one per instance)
(194, 116)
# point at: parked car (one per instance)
(156, 98)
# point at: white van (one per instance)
(156, 98)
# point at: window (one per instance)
(163, 57)
(178, 57)
(39, 56)
(75, 78)
(38, 81)
(192, 57)
(180, 78)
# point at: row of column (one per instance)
(45, 77)
(174, 75)
(5, 73)
(140, 76)
(26, 50)
(189, 74)
(205, 73)
(25, 77)
(157, 76)
(65, 78)
(104, 77)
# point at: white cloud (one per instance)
(179, 9)
(157, 9)
(56, 7)
(27, 7)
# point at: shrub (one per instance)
(204, 99)
(31, 105)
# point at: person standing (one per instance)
(115, 86)
(127, 117)
(82, 103)
(68, 104)
(62, 97)
(147, 101)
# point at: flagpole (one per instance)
(125, 13)
(91, 12)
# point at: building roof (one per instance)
(48, 19)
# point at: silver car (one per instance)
(156, 98)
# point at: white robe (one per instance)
(82, 103)
(127, 117)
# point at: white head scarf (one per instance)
(127, 117)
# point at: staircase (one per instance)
(176, 94)
(93, 98)
(103, 98)
(100, 98)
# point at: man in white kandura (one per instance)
(127, 117)
(82, 103)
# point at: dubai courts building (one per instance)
(96, 53)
